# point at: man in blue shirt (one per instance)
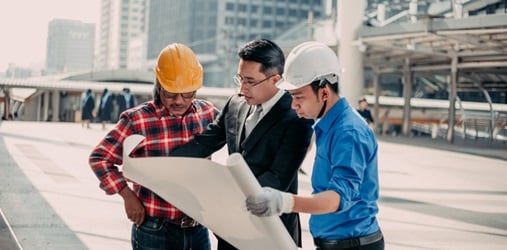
(345, 173)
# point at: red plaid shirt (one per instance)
(163, 133)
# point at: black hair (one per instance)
(318, 84)
(156, 92)
(88, 91)
(265, 52)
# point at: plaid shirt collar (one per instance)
(162, 111)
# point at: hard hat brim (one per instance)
(283, 84)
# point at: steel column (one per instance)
(7, 102)
(452, 98)
(407, 95)
(349, 20)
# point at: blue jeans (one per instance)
(155, 234)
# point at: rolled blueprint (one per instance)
(211, 193)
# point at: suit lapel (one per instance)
(243, 112)
(273, 116)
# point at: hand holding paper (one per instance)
(215, 198)
(270, 202)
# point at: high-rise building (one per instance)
(120, 22)
(70, 46)
(212, 26)
(192, 22)
(215, 29)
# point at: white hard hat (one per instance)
(309, 62)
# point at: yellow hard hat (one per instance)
(178, 70)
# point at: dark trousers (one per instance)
(379, 245)
(156, 234)
(371, 242)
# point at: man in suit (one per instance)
(275, 145)
(125, 100)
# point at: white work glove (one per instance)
(270, 202)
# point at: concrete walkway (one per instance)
(430, 198)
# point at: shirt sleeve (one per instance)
(212, 139)
(348, 163)
(108, 155)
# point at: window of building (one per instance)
(242, 7)
(268, 10)
(254, 22)
(229, 6)
(254, 8)
(266, 24)
(303, 13)
(280, 11)
(229, 20)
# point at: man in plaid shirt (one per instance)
(171, 119)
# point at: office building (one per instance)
(214, 26)
(215, 29)
(121, 21)
(70, 46)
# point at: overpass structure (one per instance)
(37, 98)
(447, 52)
(41, 97)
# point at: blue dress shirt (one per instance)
(346, 162)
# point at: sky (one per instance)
(24, 27)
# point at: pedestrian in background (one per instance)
(343, 204)
(168, 121)
(125, 100)
(365, 113)
(105, 108)
(87, 109)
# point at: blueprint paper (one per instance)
(211, 193)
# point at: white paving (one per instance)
(430, 199)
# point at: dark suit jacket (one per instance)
(105, 109)
(274, 150)
(122, 103)
(88, 106)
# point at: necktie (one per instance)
(252, 119)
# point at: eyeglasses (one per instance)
(238, 80)
(168, 95)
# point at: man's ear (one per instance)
(276, 78)
(325, 93)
